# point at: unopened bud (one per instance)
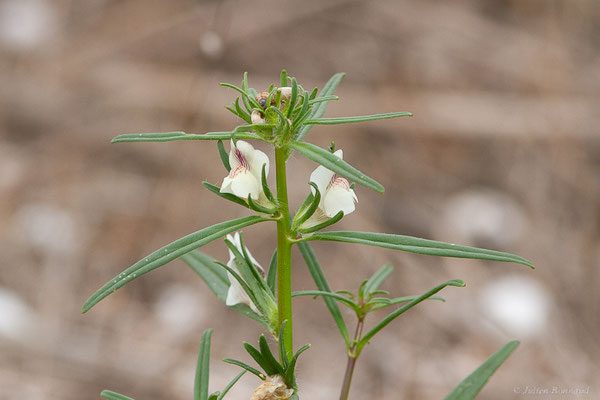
(257, 117)
(286, 93)
(262, 97)
(273, 388)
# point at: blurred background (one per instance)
(503, 152)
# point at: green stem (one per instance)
(352, 357)
(284, 252)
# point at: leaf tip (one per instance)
(457, 283)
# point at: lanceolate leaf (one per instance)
(168, 253)
(319, 109)
(384, 322)
(214, 276)
(110, 395)
(170, 136)
(290, 376)
(377, 279)
(246, 367)
(350, 120)
(321, 282)
(230, 385)
(468, 388)
(417, 245)
(227, 196)
(335, 296)
(216, 279)
(335, 164)
(202, 368)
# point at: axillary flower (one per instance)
(236, 294)
(244, 178)
(336, 194)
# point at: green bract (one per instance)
(281, 116)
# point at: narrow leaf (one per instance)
(471, 385)
(378, 303)
(338, 297)
(251, 100)
(170, 136)
(323, 224)
(351, 120)
(265, 185)
(202, 367)
(319, 109)
(214, 276)
(110, 395)
(377, 279)
(260, 360)
(216, 279)
(170, 252)
(293, 98)
(246, 367)
(230, 385)
(384, 322)
(418, 246)
(321, 282)
(335, 164)
(308, 211)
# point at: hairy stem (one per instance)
(352, 357)
(284, 252)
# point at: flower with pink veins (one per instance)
(244, 178)
(336, 194)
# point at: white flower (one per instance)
(335, 191)
(236, 293)
(246, 164)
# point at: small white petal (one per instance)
(257, 161)
(321, 177)
(338, 198)
(245, 184)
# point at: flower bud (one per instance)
(257, 117)
(262, 97)
(273, 388)
(286, 93)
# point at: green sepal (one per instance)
(110, 395)
(306, 212)
(268, 355)
(246, 367)
(202, 367)
(293, 99)
(265, 185)
(223, 155)
(272, 274)
(243, 114)
(289, 376)
(351, 120)
(227, 196)
(335, 164)
(282, 353)
(472, 385)
(170, 252)
(283, 78)
(418, 246)
(322, 225)
(253, 205)
(269, 368)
